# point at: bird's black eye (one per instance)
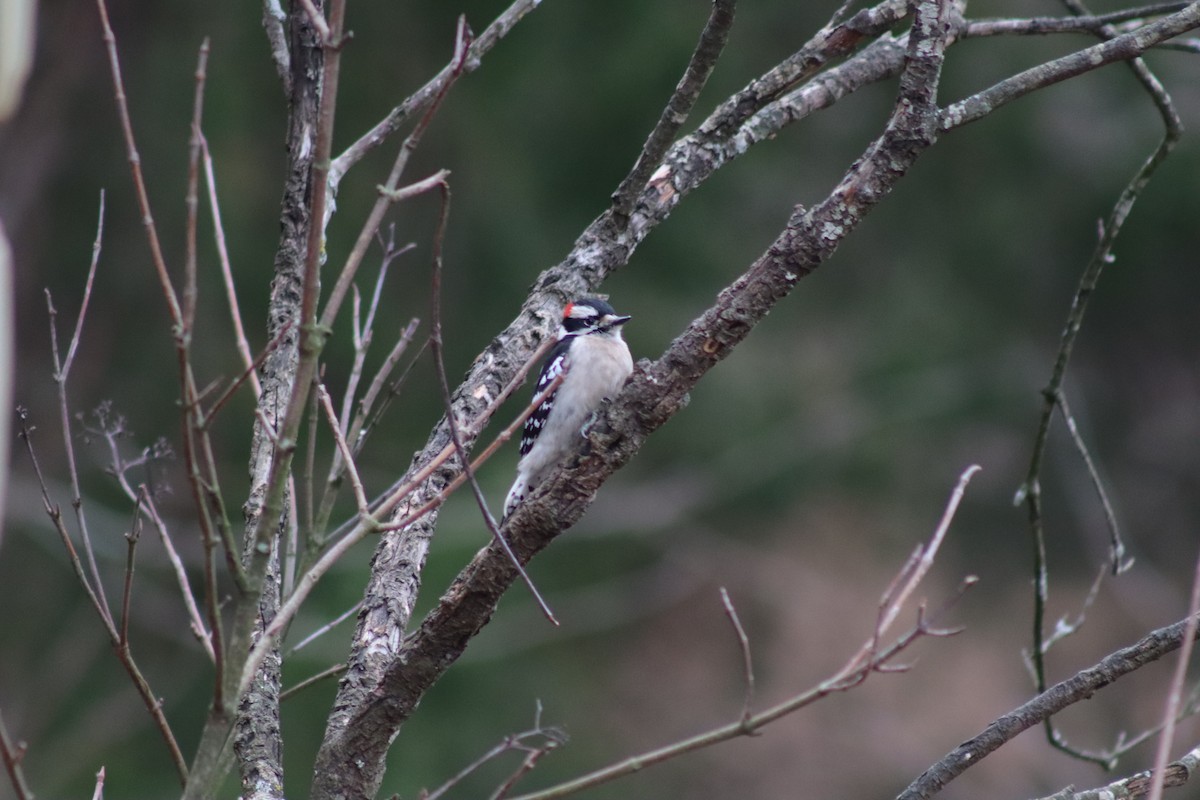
(575, 324)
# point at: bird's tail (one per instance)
(515, 495)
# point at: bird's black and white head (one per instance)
(591, 315)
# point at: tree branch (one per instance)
(704, 59)
(1079, 687)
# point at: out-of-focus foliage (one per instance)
(801, 475)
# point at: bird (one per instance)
(595, 362)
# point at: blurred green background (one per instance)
(804, 471)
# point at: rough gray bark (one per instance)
(258, 743)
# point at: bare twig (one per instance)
(135, 166)
(907, 579)
(1081, 686)
(1175, 691)
(431, 90)
(192, 198)
(98, 792)
(744, 646)
(55, 514)
(1177, 773)
(239, 331)
(1085, 23)
(435, 347)
(312, 680)
(62, 370)
(675, 113)
(1120, 48)
(369, 414)
(326, 628)
(111, 431)
(551, 738)
(853, 674)
(13, 753)
(1116, 546)
(462, 43)
(205, 419)
(360, 495)
(124, 655)
(1030, 491)
(363, 334)
(532, 756)
(135, 532)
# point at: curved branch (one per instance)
(1121, 48)
(704, 59)
(1079, 687)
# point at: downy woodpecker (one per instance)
(594, 362)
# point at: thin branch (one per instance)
(1177, 773)
(312, 680)
(1085, 23)
(13, 753)
(1116, 547)
(55, 514)
(98, 791)
(434, 181)
(62, 370)
(1030, 491)
(135, 532)
(192, 198)
(675, 113)
(135, 166)
(1120, 48)
(239, 331)
(854, 673)
(250, 373)
(551, 739)
(360, 495)
(926, 555)
(368, 415)
(326, 628)
(435, 347)
(1081, 686)
(462, 43)
(744, 646)
(144, 501)
(363, 334)
(1175, 690)
(431, 90)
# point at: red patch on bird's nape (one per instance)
(567, 310)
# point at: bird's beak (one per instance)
(614, 321)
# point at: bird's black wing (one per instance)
(554, 365)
